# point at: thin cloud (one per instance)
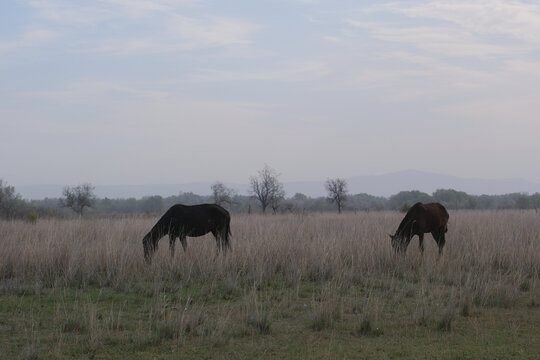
(96, 12)
(334, 39)
(92, 91)
(183, 34)
(211, 31)
(57, 12)
(107, 26)
(437, 49)
(440, 40)
(287, 72)
(524, 67)
(29, 39)
(138, 8)
(478, 28)
(518, 19)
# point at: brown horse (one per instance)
(181, 221)
(420, 219)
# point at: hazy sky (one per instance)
(164, 91)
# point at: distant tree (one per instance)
(129, 205)
(404, 208)
(299, 202)
(78, 197)
(222, 194)
(367, 202)
(151, 204)
(276, 199)
(454, 199)
(408, 197)
(7, 197)
(486, 201)
(523, 202)
(337, 192)
(11, 204)
(535, 201)
(289, 206)
(267, 189)
(299, 197)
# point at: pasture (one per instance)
(318, 286)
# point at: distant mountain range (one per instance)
(379, 185)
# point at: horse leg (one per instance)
(172, 239)
(224, 241)
(442, 241)
(421, 243)
(219, 240)
(183, 242)
(226, 244)
(439, 239)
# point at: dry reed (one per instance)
(489, 255)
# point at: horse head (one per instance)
(397, 243)
(148, 247)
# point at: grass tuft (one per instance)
(367, 327)
(73, 326)
(261, 323)
(446, 318)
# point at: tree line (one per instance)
(266, 194)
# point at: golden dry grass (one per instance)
(288, 277)
(489, 245)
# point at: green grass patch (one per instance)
(183, 320)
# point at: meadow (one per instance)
(317, 286)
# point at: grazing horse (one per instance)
(420, 219)
(181, 221)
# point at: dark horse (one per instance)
(420, 219)
(183, 220)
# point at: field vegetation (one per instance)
(294, 286)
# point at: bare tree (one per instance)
(337, 192)
(78, 197)
(222, 194)
(276, 198)
(267, 189)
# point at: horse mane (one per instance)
(407, 222)
(160, 229)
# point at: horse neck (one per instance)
(157, 232)
(162, 226)
(405, 228)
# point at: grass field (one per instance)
(318, 286)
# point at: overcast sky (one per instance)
(165, 91)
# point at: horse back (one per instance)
(434, 216)
(198, 220)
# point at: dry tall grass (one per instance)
(286, 272)
(490, 253)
